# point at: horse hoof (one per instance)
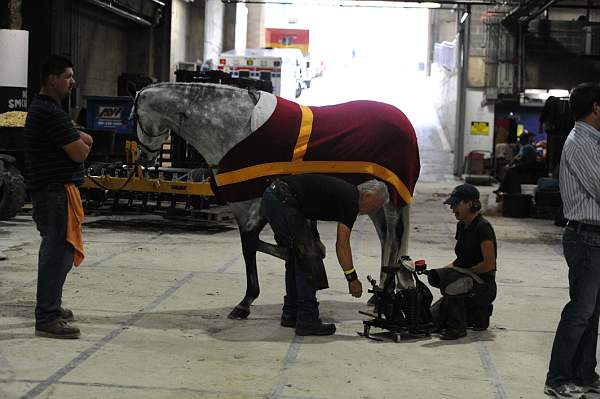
(239, 313)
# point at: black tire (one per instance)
(12, 193)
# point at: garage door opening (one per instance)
(375, 52)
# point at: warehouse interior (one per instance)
(164, 265)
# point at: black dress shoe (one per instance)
(57, 329)
(453, 333)
(316, 328)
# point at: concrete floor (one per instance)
(152, 307)
(152, 304)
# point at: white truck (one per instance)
(284, 67)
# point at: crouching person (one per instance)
(288, 204)
(468, 284)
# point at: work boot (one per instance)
(316, 328)
(288, 320)
(57, 329)
(67, 314)
(453, 333)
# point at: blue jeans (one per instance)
(55, 259)
(300, 301)
(573, 358)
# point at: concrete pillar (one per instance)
(241, 26)
(195, 48)
(15, 18)
(179, 35)
(213, 30)
(229, 19)
(256, 26)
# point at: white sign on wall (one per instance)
(479, 123)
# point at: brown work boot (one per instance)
(57, 329)
(67, 314)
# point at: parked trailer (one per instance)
(285, 68)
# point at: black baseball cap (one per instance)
(464, 192)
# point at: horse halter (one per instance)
(136, 118)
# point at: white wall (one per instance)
(474, 113)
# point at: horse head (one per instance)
(212, 118)
(152, 131)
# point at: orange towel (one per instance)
(74, 221)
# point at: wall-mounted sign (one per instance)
(13, 99)
(480, 128)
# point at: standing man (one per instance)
(288, 204)
(573, 360)
(54, 155)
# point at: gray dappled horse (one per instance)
(216, 120)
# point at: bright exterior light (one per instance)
(359, 3)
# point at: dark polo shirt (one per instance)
(469, 239)
(47, 129)
(323, 197)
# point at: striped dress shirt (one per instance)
(580, 174)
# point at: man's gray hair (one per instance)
(375, 187)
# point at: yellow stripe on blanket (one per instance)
(298, 167)
(304, 134)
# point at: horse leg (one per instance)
(249, 244)
(250, 224)
(393, 223)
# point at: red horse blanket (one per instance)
(356, 141)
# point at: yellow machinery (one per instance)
(137, 182)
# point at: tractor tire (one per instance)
(12, 193)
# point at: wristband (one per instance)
(350, 275)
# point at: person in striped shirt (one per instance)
(54, 155)
(572, 366)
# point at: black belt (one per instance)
(284, 192)
(577, 226)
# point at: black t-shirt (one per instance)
(47, 129)
(324, 197)
(469, 239)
